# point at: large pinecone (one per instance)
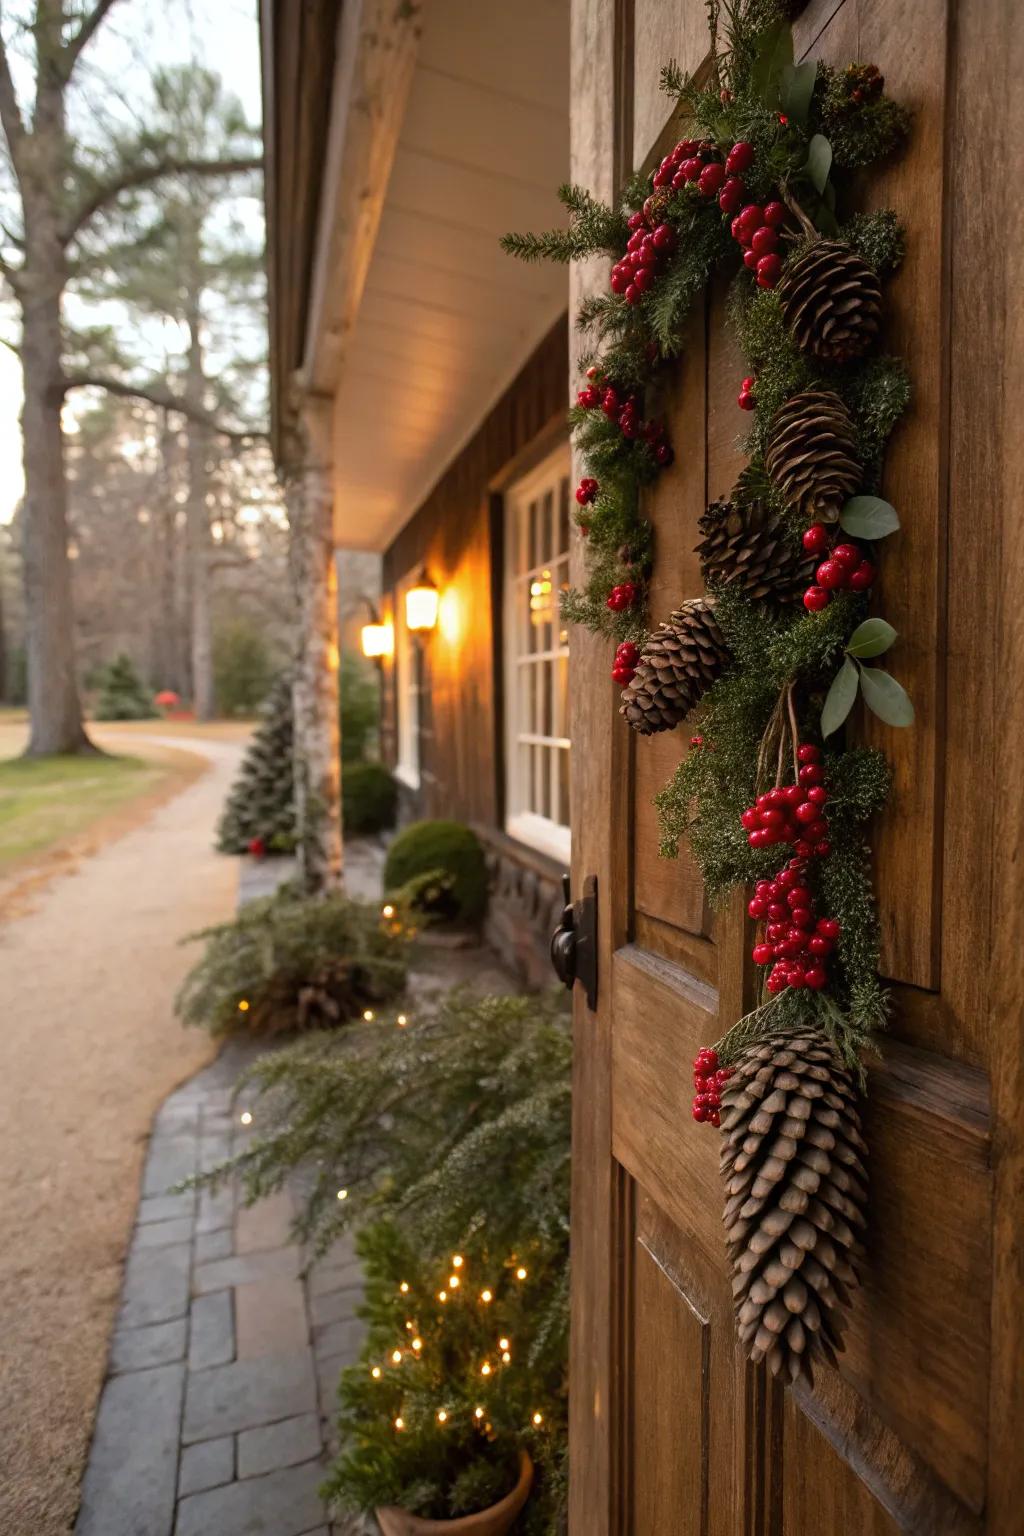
(831, 301)
(678, 663)
(746, 546)
(793, 1163)
(812, 454)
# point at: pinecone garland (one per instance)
(746, 546)
(812, 454)
(793, 1163)
(678, 663)
(831, 301)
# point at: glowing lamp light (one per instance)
(520, 1273)
(506, 1358)
(442, 1295)
(404, 1287)
(243, 1006)
(485, 1369)
(478, 1413)
(399, 1423)
(387, 911)
(457, 1261)
(342, 1194)
(538, 1418)
(245, 1117)
(417, 1344)
(377, 640)
(442, 1416)
(375, 1373)
(368, 1015)
(421, 605)
(503, 1344)
(401, 1021)
(486, 1297)
(454, 1282)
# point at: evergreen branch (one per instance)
(593, 227)
(144, 176)
(160, 395)
(90, 25)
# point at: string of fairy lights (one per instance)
(413, 1351)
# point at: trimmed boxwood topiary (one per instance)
(441, 847)
(369, 796)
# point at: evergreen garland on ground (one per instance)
(759, 183)
(259, 816)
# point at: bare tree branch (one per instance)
(157, 394)
(143, 175)
(89, 26)
(10, 113)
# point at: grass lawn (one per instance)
(44, 802)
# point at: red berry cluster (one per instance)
(587, 490)
(757, 230)
(793, 813)
(708, 1080)
(626, 658)
(624, 411)
(646, 249)
(796, 944)
(862, 82)
(844, 568)
(622, 597)
(746, 399)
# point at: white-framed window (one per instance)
(536, 649)
(408, 683)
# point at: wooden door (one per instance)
(919, 1430)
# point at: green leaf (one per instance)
(872, 638)
(886, 697)
(840, 697)
(819, 161)
(868, 517)
(796, 90)
(774, 53)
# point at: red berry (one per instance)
(750, 261)
(698, 1111)
(816, 598)
(628, 652)
(636, 220)
(806, 812)
(750, 819)
(820, 946)
(803, 847)
(775, 214)
(751, 217)
(622, 675)
(588, 398)
(771, 817)
(794, 794)
(714, 1119)
(746, 401)
(731, 195)
(828, 928)
(691, 168)
(769, 269)
(664, 237)
(711, 178)
(815, 539)
(740, 158)
(764, 240)
(822, 848)
(783, 119)
(761, 954)
(817, 795)
(664, 454)
(811, 773)
(863, 577)
(830, 575)
(847, 554)
(735, 228)
(816, 977)
(807, 752)
(610, 402)
(632, 294)
(643, 278)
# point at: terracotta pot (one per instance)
(488, 1522)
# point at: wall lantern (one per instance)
(377, 640)
(421, 604)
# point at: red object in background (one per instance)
(167, 699)
(257, 847)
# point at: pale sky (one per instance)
(222, 35)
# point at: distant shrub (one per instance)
(290, 962)
(441, 847)
(359, 708)
(369, 796)
(122, 694)
(243, 669)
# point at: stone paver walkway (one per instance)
(225, 1359)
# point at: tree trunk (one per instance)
(199, 524)
(315, 689)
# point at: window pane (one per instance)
(563, 786)
(534, 555)
(547, 690)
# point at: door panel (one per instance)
(672, 1431)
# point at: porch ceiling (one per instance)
(446, 319)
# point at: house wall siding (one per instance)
(457, 534)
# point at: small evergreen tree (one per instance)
(261, 806)
(122, 693)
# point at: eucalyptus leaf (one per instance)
(872, 638)
(886, 697)
(796, 90)
(774, 53)
(869, 517)
(819, 161)
(840, 697)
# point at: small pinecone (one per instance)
(831, 301)
(746, 546)
(812, 454)
(796, 1186)
(678, 663)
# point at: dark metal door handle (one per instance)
(574, 941)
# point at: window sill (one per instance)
(537, 832)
